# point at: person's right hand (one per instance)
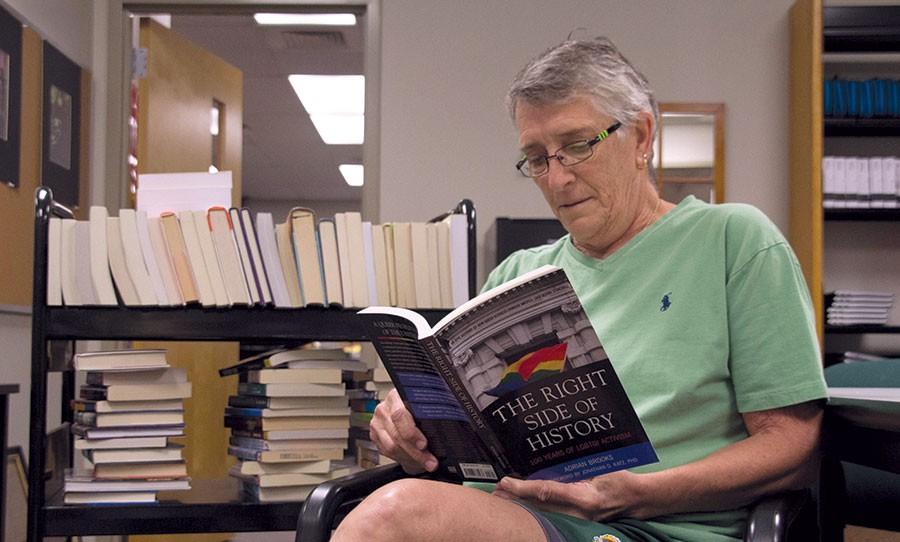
(395, 433)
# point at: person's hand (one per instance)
(395, 433)
(614, 495)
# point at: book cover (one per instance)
(291, 389)
(309, 467)
(67, 263)
(343, 245)
(306, 250)
(133, 359)
(331, 265)
(285, 246)
(513, 382)
(265, 233)
(118, 266)
(219, 223)
(244, 253)
(54, 258)
(208, 249)
(379, 261)
(142, 224)
(164, 262)
(99, 256)
(134, 257)
(280, 456)
(281, 403)
(265, 291)
(181, 262)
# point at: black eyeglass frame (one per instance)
(590, 143)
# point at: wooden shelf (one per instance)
(861, 330)
(255, 324)
(859, 127)
(862, 215)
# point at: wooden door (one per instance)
(182, 83)
(806, 147)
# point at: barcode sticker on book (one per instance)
(478, 470)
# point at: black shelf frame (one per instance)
(217, 511)
(861, 29)
(862, 215)
(862, 127)
(861, 330)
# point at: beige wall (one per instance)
(64, 23)
(446, 67)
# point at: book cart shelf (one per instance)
(210, 506)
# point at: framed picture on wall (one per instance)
(10, 97)
(61, 126)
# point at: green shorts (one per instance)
(565, 528)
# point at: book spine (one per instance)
(445, 368)
(248, 401)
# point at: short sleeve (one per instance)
(775, 359)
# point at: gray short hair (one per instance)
(594, 68)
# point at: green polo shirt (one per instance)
(705, 315)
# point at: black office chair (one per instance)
(787, 517)
(860, 481)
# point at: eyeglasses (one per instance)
(569, 155)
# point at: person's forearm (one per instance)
(767, 462)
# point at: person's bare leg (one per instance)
(414, 510)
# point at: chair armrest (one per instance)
(327, 500)
(773, 517)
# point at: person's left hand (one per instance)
(613, 495)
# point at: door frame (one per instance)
(117, 50)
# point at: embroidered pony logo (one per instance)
(666, 303)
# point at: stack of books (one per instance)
(129, 406)
(368, 389)
(289, 422)
(858, 307)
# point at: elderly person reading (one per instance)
(702, 309)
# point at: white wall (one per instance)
(446, 67)
(64, 23)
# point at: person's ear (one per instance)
(643, 128)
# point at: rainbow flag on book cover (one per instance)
(531, 367)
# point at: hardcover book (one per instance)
(513, 382)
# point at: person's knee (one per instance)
(396, 511)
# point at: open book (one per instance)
(513, 382)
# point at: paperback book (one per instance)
(513, 382)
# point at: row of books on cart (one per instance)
(299, 418)
(861, 183)
(858, 307)
(224, 257)
(870, 98)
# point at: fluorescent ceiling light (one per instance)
(331, 93)
(335, 104)
(340, 129)
(321, 19)
(353, 173)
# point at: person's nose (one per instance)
(558, 175)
